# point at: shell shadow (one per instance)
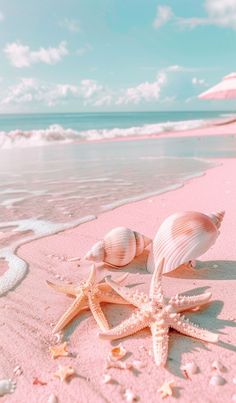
(205, 317)
(210, 270)
(180, 344)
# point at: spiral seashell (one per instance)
(217, 218)
(119, 247)
(183, 237)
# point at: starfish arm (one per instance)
(188, 328)
(65, 289)
(97, 313)
(78, 305)
(133, 297)
(137, 321)
(182, 303)
(156, 292)
(160, 340)
(107, 294)
(92, 276)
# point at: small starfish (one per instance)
(166, 389)
(64, 373)
(59, 350)
(88, 295)
(159, 313)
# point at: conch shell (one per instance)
(183, 237)
(118, 247)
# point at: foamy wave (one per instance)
(33, 138)
(57, 134)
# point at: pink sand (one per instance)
(27, 311)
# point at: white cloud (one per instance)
(70, 24)
(21, 55)
(219, 13)
(147, 91)
(33, 90)
(106, 100)
(2, 17)
(199, 81)
(175, 67)
(163, 15)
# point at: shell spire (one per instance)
(217, 217)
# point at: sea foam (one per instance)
(58, 134)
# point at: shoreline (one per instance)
(28, 312)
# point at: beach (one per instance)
(29, 310)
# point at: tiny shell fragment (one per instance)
(130, 396)
(189, 368)
(18, 370)
(106, 378)
(117, 353)
(118, 364)
(166, 389)
(217, 365)
(137, 364)
(52, 398)
(37, 381)
(73, 259)
(217, 380)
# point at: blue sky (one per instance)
(114, 55)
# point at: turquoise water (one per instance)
(92, 121)
(45, 189)
(44, 129)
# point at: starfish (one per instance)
(88, 295)
(59, 350)
(64, 373)
(159, 314)
(166, 389)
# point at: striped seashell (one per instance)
(119, 247)
(183, 237)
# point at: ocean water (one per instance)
(46, 189)
(42, 129)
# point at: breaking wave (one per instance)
(58, 134)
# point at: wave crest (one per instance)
(58, 134)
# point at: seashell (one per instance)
(18, 370)
(7, 386)
(117, 353)
(106, 378)
(130, 396)
(137, 364)
(118, 247)
(189, 368)
(183, 237)
(216, 380)
(217, 365)
(52, 398)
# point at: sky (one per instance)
(114, 55)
